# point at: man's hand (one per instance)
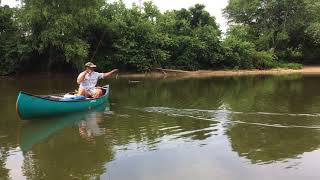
(114, 70)
(82, 76)
(110, 73)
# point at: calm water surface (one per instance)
(262, 127)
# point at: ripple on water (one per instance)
(225, 116)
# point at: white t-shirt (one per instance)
(90, 81)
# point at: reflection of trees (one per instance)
(8, 124)
(152, 127)
(4, 173)
(188, 93)
(6, 144)
(274, 94)
(260, 141)
(267, 144)
(67, 156)
(252, 93)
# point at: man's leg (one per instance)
(98, 93)
(82, 91)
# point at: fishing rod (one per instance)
(99, 43)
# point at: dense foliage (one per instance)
(60, 35)
(289, 28)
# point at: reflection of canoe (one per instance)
(35, 131)
(32, 106)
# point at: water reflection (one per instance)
(288, 129)
(4, 172)
(267, 119)
(101, 134)
(141, 131)
(245, 121)
(261, 137)
(267, 145)
(34, 132)
(277, 139)
(54, 150)
(89, 128)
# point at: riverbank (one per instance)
(167, 73)
(170, 73)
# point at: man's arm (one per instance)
(109, 73)
(81, 77)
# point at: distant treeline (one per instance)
(60, 35)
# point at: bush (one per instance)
(264, 60)
(291, 54)
(290, 65)
(238, 53)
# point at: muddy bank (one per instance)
(169, 73)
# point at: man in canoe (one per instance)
(88, 80)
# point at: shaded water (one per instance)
(260, 127)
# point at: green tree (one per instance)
(136, 42)
(13, 48)
(194, 38)
(240, 52)
(276, 25)
(56, 28)
(47, 35)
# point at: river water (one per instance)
(251, 127)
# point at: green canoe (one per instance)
(33, 106)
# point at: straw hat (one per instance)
(90, 64)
